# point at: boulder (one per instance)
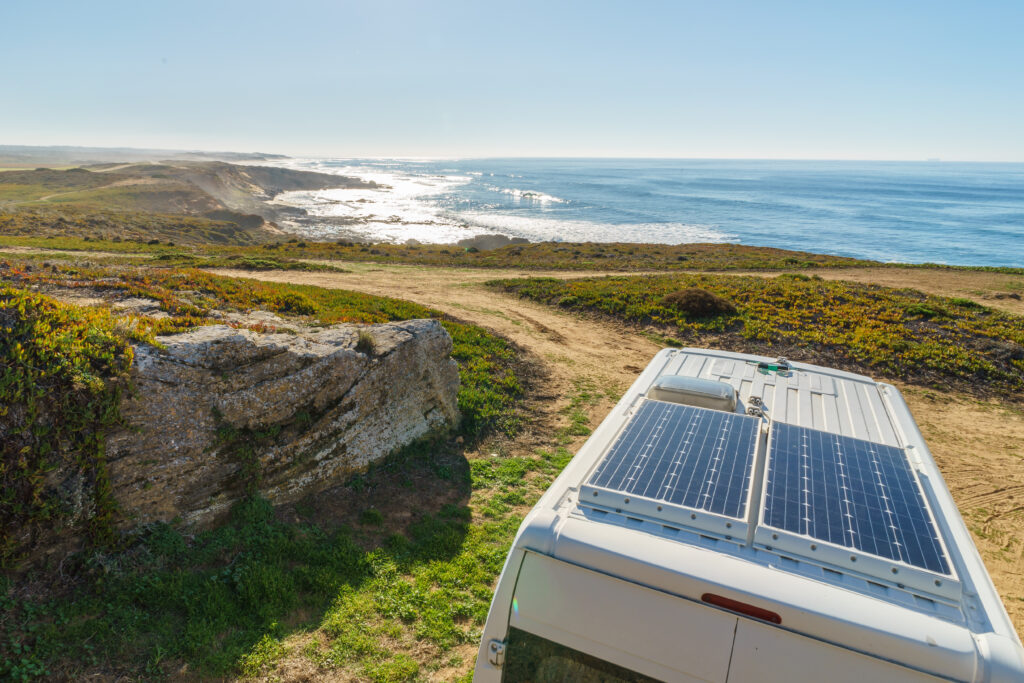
(222, 411)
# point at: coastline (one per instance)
(960, 214)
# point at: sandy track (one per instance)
(997, 290)
(978, 445)
(569, 346)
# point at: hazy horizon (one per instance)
(457, 79)
(254, 152)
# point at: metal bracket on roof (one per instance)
(757, 408)
(781, 367)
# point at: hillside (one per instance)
(388, 577)
(32, 201)
(31, 156)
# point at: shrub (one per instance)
(366, 343)
(60, 389)
(698, 303)
(371, 517)
(799, 277)
(293, 302)
(927, 311)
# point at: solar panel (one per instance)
(686, 456)
(853, 493)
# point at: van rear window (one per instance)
(532, 659)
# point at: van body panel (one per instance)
(496, 627)
(856, 621)
(764, 654)
(644, 630)
(838, 614)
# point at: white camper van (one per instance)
(742, 519)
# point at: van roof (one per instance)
(817, 487)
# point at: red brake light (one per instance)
(741, 608)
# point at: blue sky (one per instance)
(864, 80)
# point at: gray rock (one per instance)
(220, 410)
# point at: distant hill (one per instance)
(27, 156)
(64, 202)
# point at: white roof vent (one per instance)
(694, 391)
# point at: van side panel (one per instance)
(496, 627)
(638, 628)
(765, 654)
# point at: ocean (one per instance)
(913, 212)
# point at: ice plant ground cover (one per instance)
(895, 333)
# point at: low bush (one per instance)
(365, 343)
(60, 387)
(696, 303)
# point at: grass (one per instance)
(173, 257)
(385, 594)
(488, 384)
(223, 601)
(78, 229)
(210, 238)
(21, 230)
(897, 333)
(235, 262)
(382, 597)
(31, 185)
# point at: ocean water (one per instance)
(941, 212)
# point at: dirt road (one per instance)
(979, 446)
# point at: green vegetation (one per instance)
(222, 601)
(387, 577)
(170, 257)
(35, 184)
(488, 383)
(68, 227)
(898, 333)
(236, 262)
(206, 238)
(540, 255)
(61, 385)
(694, 302)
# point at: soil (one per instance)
(979, 445)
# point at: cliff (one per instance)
(222, 412)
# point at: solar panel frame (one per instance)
(898, 540)
(662, 445)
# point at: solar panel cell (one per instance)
(686, 456)
(853, 493)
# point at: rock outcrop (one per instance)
(221, 411)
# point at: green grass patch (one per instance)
(224, 601)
